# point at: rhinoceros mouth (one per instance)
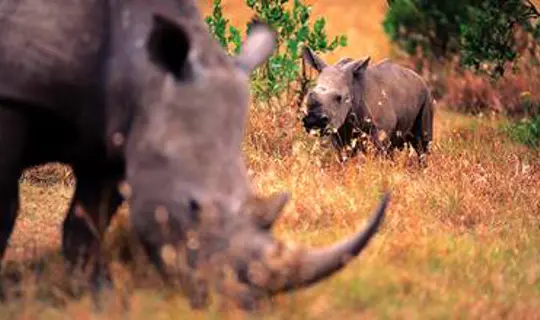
(317, 125)
(266, 266)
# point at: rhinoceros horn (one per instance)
(310, 266)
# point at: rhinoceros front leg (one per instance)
(9, 205)
(13, 134)
(380, 140)
(94, 203)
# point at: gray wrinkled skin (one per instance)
(137, 94)
(389, 103)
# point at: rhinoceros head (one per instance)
(332, 98)
(191, 202)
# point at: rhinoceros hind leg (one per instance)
(423, 130)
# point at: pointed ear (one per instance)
(313, 59)
(258, 47)
(168, 46)
(358, 67)
(265, 211)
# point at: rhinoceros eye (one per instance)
(338, 98)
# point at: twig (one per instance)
(533, 9)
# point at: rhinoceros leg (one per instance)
(94, 203)
(13, 136)
(423, 132)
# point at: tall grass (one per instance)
(460, 240)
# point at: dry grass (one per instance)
(461, 239)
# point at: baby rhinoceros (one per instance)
(390, 104)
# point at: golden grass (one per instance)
(461, 237)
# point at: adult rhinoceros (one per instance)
(137, 93)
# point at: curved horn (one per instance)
(318, 264)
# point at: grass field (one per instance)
(461, 238)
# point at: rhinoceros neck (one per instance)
(360, 107)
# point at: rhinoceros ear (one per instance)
(259, 46)
(265, 211)
(168, 46)
(313, 59)
(358, 67)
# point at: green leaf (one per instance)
(282, 69)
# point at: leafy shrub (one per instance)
(480, 31)
(517, 94)
(277, 78)
(489, 36)
(228, 36)
(433, 26)
(526, 131)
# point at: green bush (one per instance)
(228, 36)
(480, 31)
(433, 26)
(276, 79)
(490, 35)
(526, 132)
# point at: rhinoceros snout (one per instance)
(315, 121)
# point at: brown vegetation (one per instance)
(466, 91)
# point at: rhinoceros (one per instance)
(389, 103)
(141, 101)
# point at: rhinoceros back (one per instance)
(394, 95)
(51, 51)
